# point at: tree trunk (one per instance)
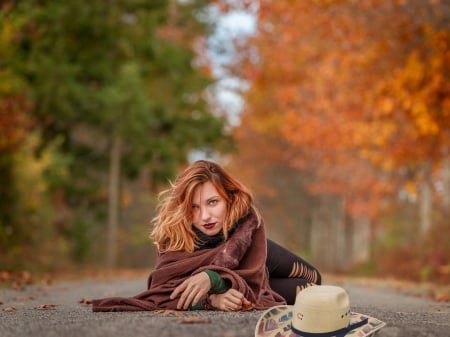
(328, 237)
(446, 181)
(319, 234)
(113, 198)
(426, 200)
(341, 234)
(360, 240)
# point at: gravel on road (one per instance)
(60, 310)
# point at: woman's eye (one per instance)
(213, 202)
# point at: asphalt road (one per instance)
(56, 310)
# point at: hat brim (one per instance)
(276, 322)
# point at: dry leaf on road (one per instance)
(248, 307)
(169, 313)
(9, 309)
(46, 307)
(85, 301)
(24, 298)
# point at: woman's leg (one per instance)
(288, 271)
(288, 287)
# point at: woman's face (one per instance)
(208, 209)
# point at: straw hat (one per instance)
(319, 311)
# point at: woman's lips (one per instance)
(209, 225)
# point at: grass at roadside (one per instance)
(19, 280)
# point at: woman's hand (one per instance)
(192, 290)
(231, 300)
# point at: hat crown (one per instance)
(321, 309)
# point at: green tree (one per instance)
(117, 92)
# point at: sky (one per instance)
(234, 25)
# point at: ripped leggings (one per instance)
(287, 271)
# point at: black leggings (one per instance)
(287, 271)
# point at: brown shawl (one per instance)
(241, 260)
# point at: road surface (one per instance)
(55, 310)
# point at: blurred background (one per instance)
(336, 113)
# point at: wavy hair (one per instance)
(172, 226)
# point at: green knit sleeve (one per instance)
(218, 284)
(197, 306)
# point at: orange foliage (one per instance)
(358, 91)
(417, 97)
(250, 165)
(13, 122)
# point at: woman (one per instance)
(212, 251)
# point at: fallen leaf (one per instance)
(5, 276)
(16, 281)
(17, 286)
(194, 320)
(46, 307)
(442, 297)
(248, 307)
(25, 277)
(169, 313)
(85, 301)
(9, 309)
(24, 298)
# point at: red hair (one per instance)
(172, 229)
